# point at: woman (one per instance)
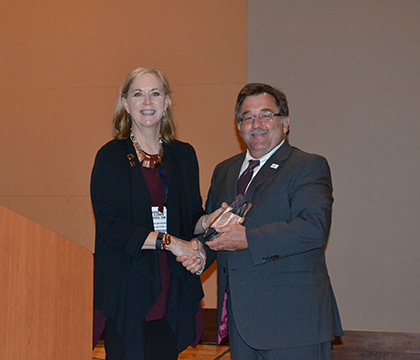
(145, 196)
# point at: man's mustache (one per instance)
(258, 132)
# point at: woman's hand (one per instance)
(191, 254)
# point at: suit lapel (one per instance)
(271, 167)
(232, 178)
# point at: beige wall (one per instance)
(351, 72)
(61, 65)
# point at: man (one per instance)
(272, 276)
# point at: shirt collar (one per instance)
(263, 159)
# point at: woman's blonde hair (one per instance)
(121, 125)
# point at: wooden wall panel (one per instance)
(46, 291)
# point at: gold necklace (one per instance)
(146, 160)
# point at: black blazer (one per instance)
(127, 280)
(280, 289)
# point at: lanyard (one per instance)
(164, 181)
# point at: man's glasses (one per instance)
(264, 117)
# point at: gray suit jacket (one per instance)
(280, 289)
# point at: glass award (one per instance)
(234, 214)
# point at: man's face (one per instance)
(260, 138)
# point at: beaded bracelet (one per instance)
(166, 241)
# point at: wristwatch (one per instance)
(159, 242)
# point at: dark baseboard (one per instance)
(377, 345)
(210, 328)
(373, 345)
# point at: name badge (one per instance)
(159, 215)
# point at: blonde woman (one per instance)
(147, 203)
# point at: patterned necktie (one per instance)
(246, 176)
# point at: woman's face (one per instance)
(145, 102)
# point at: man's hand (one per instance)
(206, 220)
(192, 256)
(231, 238)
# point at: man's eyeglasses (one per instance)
(264, 117)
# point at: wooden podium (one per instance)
(46, 291)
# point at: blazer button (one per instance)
(224, 270)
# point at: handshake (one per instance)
(221, 230)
